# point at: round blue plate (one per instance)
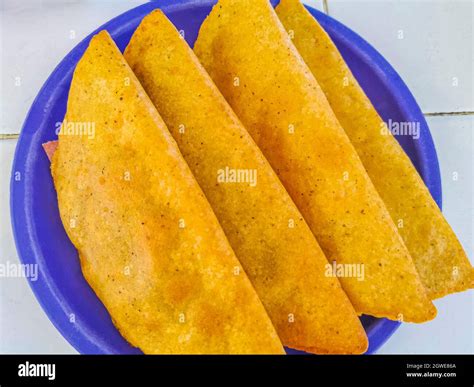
(40, 238)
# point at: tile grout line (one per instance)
(440, 114)
(326, 7)
(9, 136)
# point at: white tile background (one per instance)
(429, 43)
(434, 57)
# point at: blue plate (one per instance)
(40, 238)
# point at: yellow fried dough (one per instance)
(149, 244)
(268, 234)
(250, 57)
(439, 257)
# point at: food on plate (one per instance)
(438, 255)
(276, 248)
(252, 60)
(149, 244)
(49, 148)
